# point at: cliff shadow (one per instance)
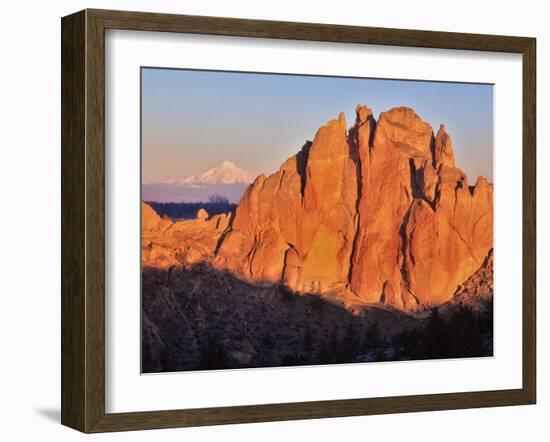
(301, 163)
(203, 318)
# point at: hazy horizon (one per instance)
(193, 120)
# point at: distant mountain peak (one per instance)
(225, 172)
(226, 164)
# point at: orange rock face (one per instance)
(378, 213)
(164, 243)
(400, 140)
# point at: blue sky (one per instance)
(192, 120)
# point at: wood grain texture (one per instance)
(83, 220)
(529, 220)
(73, 253)
(95, 222)
(144, 21)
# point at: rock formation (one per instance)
(202, 215)
(165, 244)
(377, 213)
(476, 292)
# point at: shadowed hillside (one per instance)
(200, 318)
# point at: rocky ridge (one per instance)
(377, 213)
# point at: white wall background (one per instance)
(30, 216)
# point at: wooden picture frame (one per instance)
(83, 220)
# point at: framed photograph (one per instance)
(270, 220)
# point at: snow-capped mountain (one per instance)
(225, 172)
(225, 179)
